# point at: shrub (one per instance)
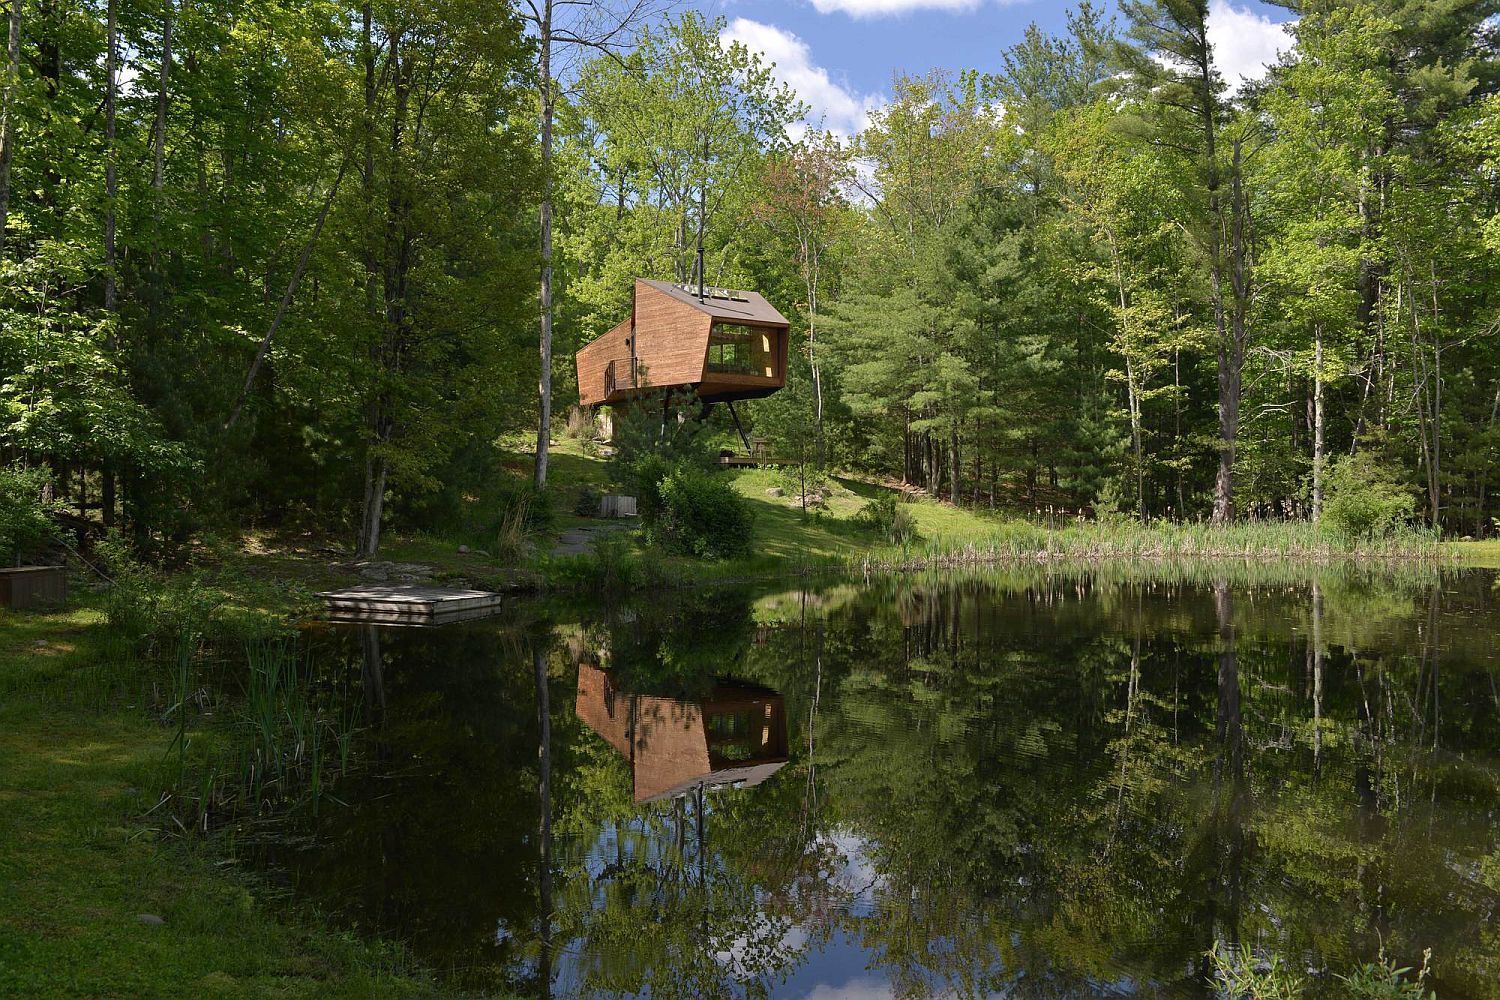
(1382, 980)
(700, 514)
(1239, 975)
(889, 520)
(669, 425)
(25, 518)
(611, 563)
(522, 513)
(1364, 500)
(581, 425)
(805, 483)
(643, 479)
(587, 503)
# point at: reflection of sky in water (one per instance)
(996, 775)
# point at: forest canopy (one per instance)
(294, 265)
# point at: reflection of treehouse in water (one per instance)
(735, 736)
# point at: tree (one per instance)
(1171, 66)
(590, 25)
(804, 206)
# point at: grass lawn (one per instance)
(786, 535)
(80, 861)
(1479, 555)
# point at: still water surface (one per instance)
(1023, 787)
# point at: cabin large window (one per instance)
(741, 350)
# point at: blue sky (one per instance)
(840, 55)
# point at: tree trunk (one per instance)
(954, 493)
(111, 190)
(373, 507)
(8, 114)
(111, 180)
(812, 354)
(387, 354)
(158, 162)
(544, 377)
(1231, 347)
(1318, 431)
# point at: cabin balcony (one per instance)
(621, 377)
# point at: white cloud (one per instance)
(834, 106)
(1244, 42)
(887, 8)
(857, 988)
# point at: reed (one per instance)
(1097, 542)
(273, 746)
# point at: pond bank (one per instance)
(97, 899)
(91, 861)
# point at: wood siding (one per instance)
(672, 341)
(593, 359)
(671, 331)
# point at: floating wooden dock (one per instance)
(405, 605)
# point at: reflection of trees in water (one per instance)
(1048, 790)
(1109, 797)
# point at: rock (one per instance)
(463, 550)
(39, 643)
(775, 491)
(150, 919)
(816, 498)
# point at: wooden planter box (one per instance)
(615, 505)
(33, 586)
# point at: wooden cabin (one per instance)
(725, 346)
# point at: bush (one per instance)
(522, 513)
(612, 567)
(643, 480)
(685, 437)
(25, 518)
(697, 513)
(588, 502)
(805, 483)
(889, 519)
(1364, 500)
(581, 425)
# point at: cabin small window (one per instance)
(741, 350)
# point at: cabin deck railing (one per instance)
(613, 381)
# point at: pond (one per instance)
(1032, 785)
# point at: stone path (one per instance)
(580, 541)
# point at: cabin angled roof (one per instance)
(724, 304)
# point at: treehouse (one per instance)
(724, 345)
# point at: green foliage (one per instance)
(1365, 500)
(25, 518)
(612, 567)
(698, 513)
(522, 514)
(668, 425)
(804, 482)
(586, 504)
(644, 478)
(1383, 980)
(889, 520)
(1240, 975)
